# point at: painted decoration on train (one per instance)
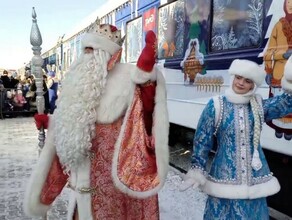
(171, 30)
(193, 62)
(236, 24)
(134, 39)
(278, 51)
(122, 27)
(197, 19)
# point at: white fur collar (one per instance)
(160, 133)
(116, 97)
(237, 98)
(139, 76)
(119, 90)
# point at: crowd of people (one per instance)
(18, 93)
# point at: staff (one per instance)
(36, 40)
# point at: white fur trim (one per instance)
(32, 204)
(160, 131)
(196, 175)
(286, 81)
(71, 206)
(116, 97)
(140, 76)
(80, 179)
(97, 41)
(247, 69)
(229, 191)
(286, 85)
(288, 69)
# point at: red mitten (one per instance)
(147, 57)
(41, 120)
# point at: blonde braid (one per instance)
(256, 162)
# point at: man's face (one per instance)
(88, 50)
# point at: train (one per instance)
(197, 41)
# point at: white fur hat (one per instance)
(247, 69)
(105, 36)
(287, 78)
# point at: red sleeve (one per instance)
(55, 182)
(148, 99)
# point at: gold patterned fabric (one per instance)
(137, 161)
(107, 202)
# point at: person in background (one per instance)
(14, 80)
(6, 79)
(108, 137)
(32, 98)
(2, 97)
(239, 179)
(52, 85)
(18, 99)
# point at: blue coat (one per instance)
(231, 175)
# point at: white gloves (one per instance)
(187, 184)
(193, 178)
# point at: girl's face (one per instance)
(289, 6)
(242, 85)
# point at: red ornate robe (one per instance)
(126, 166)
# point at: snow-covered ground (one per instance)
(18, 154)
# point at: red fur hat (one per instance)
(147, 57)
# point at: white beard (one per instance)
(75, 116)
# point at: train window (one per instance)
(236, 24)
(134, 39)
(171, 30)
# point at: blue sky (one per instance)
(54, 18)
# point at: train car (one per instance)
(197, 41)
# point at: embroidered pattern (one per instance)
(107, 202)
(137, 156)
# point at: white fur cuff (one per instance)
(288, 69)
(286, 85)
(196, 175)
(139, 76)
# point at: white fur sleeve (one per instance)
(139, 76)
(286, 81)
(32, 204)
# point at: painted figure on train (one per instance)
(193, 61)
(278, 52)
(108, 138)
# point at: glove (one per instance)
(147, 57)
(193, 178)
(188, 183)
(287, 54)
(269, 79)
